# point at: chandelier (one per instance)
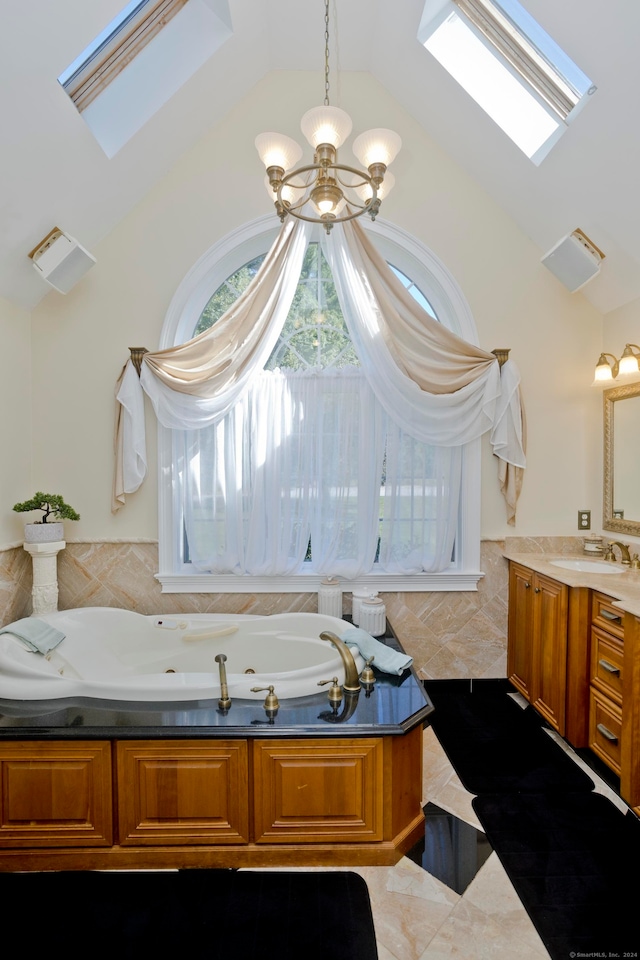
(327, 191)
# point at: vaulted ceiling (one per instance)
(54, 172)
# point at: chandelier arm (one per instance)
(311, 168)
(365, 177)
(329, 221)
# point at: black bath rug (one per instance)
(213, 914)
(496, 746)
(572, 859)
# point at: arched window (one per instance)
(307, 476)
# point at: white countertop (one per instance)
(622, 586)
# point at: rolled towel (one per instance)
(36, 635)
(385, 658)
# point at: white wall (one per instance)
(81, 341)
(15, 418)
(622, 326)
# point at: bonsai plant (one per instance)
(54, 511)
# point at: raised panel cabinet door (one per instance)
(318, 790)
(549, 647)
(182, 792)
(519, 653)
(55, 794)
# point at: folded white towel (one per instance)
(36, 635)
(385, 658)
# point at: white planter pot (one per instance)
(43, 532)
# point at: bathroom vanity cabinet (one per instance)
(546, 657)
(209, 803)
(574, 654)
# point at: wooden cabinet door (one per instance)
(549, 650)
(55, 794)
(182, 792)
(318, 790)
(519, 652)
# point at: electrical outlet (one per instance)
(584, 519)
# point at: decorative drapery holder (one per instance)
(137, 353)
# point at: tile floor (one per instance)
(418, 917)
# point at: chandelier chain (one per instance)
(327, 191)
(326, 53)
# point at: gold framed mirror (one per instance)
(621, 494)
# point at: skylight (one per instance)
(139, 61)
(115, 47)
(509, 65)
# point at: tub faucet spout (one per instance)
(351, 678)
(225, 700)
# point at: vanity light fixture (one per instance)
(327, 191)
(626, 366)
(629, 360)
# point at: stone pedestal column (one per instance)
(45, 575)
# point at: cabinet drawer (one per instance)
(182, 792)
(320, 791)
(55, 794)
(607, 655)
(606, 616)
(605, 726)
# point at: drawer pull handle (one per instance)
(611, 737)
(609, 667)
(609, 615)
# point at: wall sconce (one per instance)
(626, 366)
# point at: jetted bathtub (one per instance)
(112, 654)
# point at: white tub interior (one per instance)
(113, 654)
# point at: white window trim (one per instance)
(221, 260)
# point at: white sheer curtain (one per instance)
(196, 383)
(299, 456)
(442, 389)
(420, 505)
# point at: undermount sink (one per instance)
(589, 566)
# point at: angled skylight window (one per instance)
(139, 61)
(115, 47)
(510, 66)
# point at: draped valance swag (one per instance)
(443, 390)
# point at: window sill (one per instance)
(448, 581)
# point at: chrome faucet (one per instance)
(225, 700)
(624, 552)
(351, 679)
